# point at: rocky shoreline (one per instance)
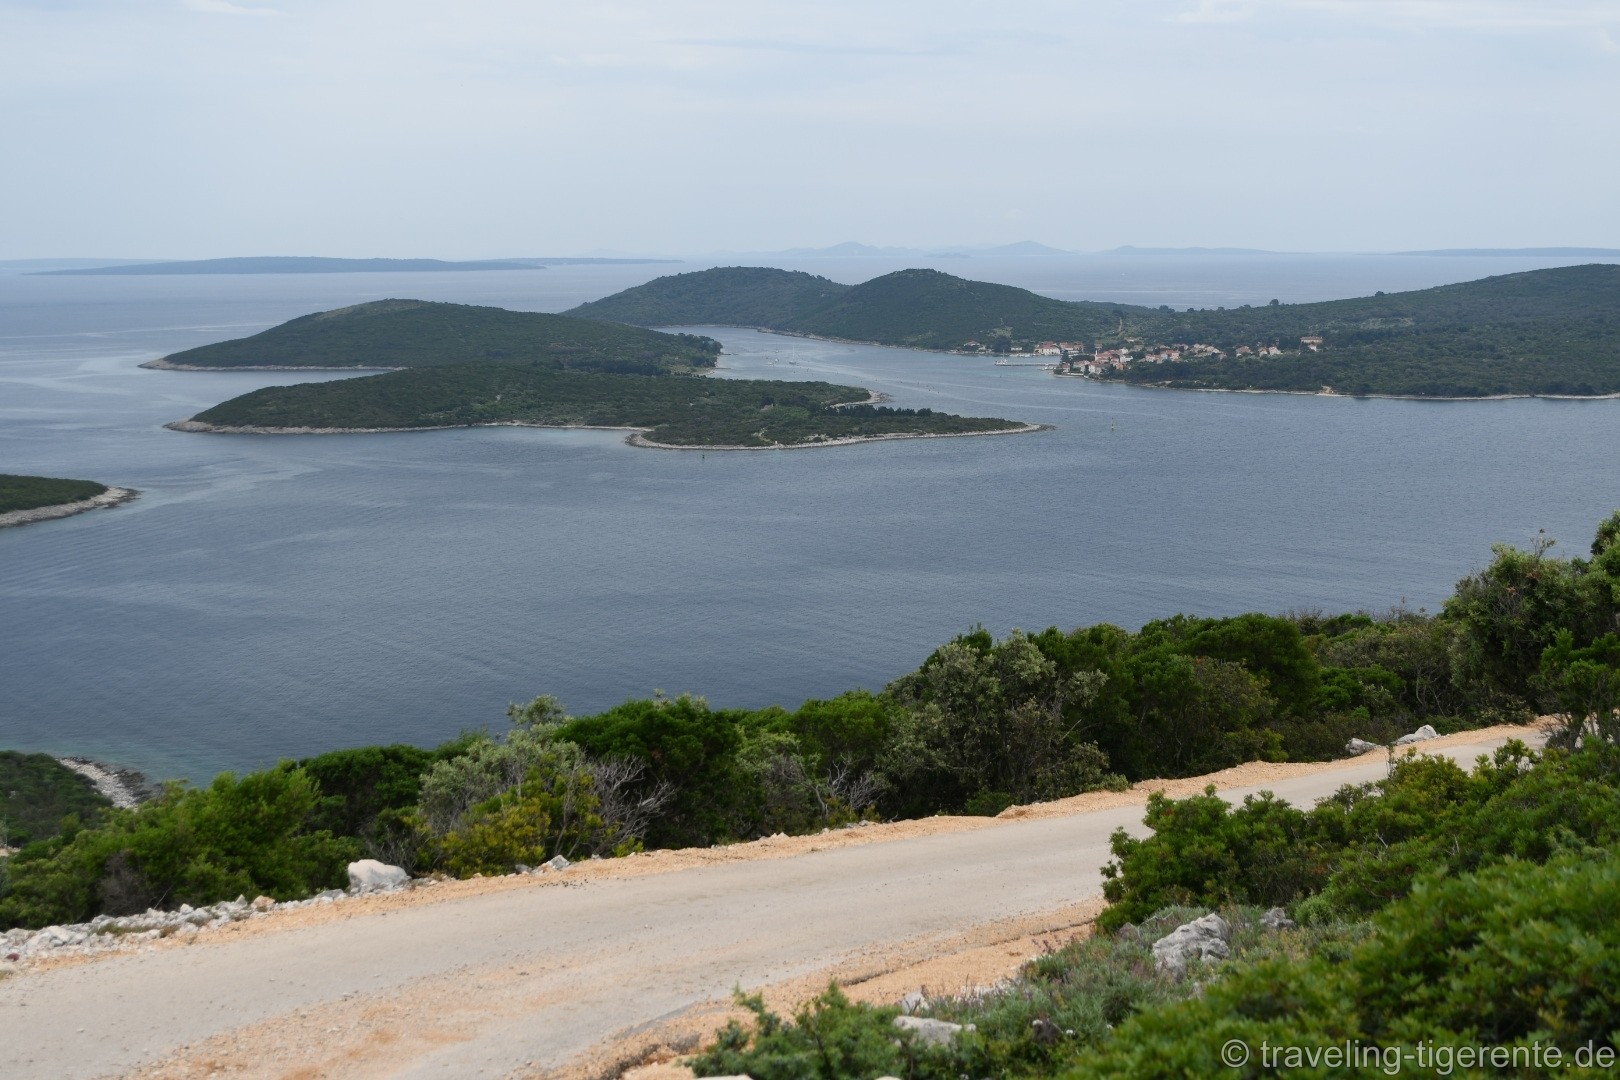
(113, 496)
(124, 788)
(637, 436)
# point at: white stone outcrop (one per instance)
(1203, 939)
(930, 1031)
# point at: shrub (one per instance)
(1513, 954)
(195, 846)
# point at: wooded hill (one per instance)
(420, 333)
(681, 411)
(1553, 331)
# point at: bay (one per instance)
(271, 597)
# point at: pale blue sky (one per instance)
(192, 128)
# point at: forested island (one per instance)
(1542, 332)
(462, 366)
(387, 334)
(673, 411)
(25, 499)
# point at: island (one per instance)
(311, 264)
(26, 499)
(459, 366)
(1553, 332)
(391, 334)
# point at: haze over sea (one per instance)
(272, 597)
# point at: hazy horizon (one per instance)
(179, 129)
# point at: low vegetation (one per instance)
(1553, 331)
(678, 411)
(420, 333)
(38, 794)
(980, 725)
(33, 492)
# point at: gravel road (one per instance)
(523, 980)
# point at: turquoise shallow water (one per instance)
(278, 596)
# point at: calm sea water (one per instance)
(269, 597)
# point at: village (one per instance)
(1080, 359)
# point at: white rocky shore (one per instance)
(20, 948)
(113, 496)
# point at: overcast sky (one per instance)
(197, 128)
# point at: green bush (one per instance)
(189, 846)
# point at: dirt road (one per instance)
(522, 979)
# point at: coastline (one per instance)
(1344, 397)
(162, 364)
(124, 788)
(113, 496)
(637, 436)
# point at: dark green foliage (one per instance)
(191, 846)
(678, 411)
(1554, 331)
(683, 742)
(1511, 611)
(1512, 955)
(358, 785)
(32, 492)
(1360, 850)
(1203, 851)
(38, 793)
(420, 333)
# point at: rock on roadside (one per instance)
(371, 874)
(1422, 734)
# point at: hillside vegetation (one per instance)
(680, 411)
(419, 333)
(38, 794)
(980, 725)
(33, 492)
(1551, 331)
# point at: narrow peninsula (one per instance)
(460, 366)
(26, 499)
(1552, 332)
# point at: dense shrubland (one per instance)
(980, 725)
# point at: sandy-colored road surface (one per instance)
(487, 980)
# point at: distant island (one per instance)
(462, 366)
(26, 499)
(305, 264)
(1542, 332)
(385, 334)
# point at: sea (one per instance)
(273, 597)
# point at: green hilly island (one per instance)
(420, 333)
(34, 492)
(675, 410)
(461, 366)
(1554, 331)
